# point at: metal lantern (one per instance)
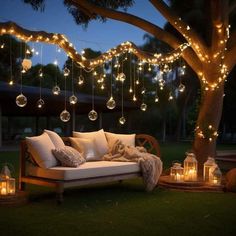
(7, 183)
(190, 167)
(177, 172)
(207, 167)
(215, 176)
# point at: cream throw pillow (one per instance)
(68, 156)
(99, 139)
(40, 147)
(87, 148)
(127, 139)
(55, 138)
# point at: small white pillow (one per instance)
(55, 138)
(99, 139)
(87, 148)
(127, 139)
(40, 147)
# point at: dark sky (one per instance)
(56, 19)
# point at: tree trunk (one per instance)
(208, 122)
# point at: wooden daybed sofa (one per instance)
(89, 173)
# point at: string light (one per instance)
(72, 99)
(210, 133)
(11, 81)
(63, 42)
(21, 100)
(93, 115)
(111, 103)
(122, 119)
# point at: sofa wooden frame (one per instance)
(147, 141)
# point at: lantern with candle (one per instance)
(208, 167)
(177, 172)
(215, 176)
(190, 167)
(7, 183)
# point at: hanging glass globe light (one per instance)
(122, 120)
(102, 87)
(111, 104)
(121, 77)
(181, 70)
(92, 115)
(40, 73)
(66, 72)
(65, 116)
(130, 90)
(143, 91)
(56, 90)
(21, 100)
(156, 99)
(81, 80)
(73, 99)
(11, 82)
(26, 64)
(40, 103)
(137, 82)
(143, 107)
(170, 97)
(134, 98)
(161, 82)
(166, 68)
(181, 87)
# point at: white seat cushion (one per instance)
(86, 170)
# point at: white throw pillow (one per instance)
(55, 138)
(99, 139)
(40, 147)
(127, 139)
(87, 148)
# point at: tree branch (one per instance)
(130, 19)
(159, 33)
(190, 35)
(60, 40)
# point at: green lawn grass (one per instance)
(121, 209)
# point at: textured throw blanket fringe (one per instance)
(151, 165)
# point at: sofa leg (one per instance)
(59, 194)
(22, 186)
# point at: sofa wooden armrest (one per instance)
(147, 141)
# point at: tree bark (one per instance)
(208, 121)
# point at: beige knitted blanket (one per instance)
(151, 165)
